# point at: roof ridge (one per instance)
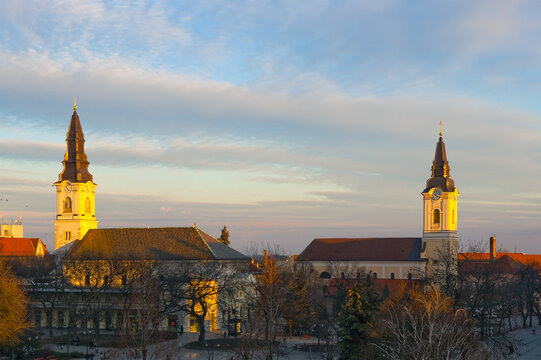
(205, 242)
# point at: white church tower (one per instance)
(440, 236)
(75, 205)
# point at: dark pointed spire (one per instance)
(75, 163)
(441, 177)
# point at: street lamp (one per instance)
(32, 345)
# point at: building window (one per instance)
(436, 219)
(342, 275)
(392, 276)
(124, 280)
(358, 275)
(60, 318)
(67, 205)
(410, 276)
(325, 275)
(67, 235)
(37, 318)
(87, 280)
(87, 206)
(375, 275)
(453, 218)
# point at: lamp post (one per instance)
(32, 341)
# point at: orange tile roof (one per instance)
(10, 246)
(524, 259)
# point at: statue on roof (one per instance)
(224, 238)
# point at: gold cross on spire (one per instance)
(441, 128)
(74, 103)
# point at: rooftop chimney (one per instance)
(492, 248)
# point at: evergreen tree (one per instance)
(355, 320)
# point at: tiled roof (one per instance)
(172, 243)
(10, 246)
(519, 257)
(505, 262)
(363, 249)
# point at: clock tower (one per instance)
(440, 238)
(75, 205)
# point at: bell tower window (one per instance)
(436, 216)
(67, 205)
(87, 205)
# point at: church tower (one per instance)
(75, 205)
(440, 237)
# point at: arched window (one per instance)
(436, 214)
(375, 275)
(392, 276)
(87, 206)
(342, 275)
(67, 204)
(410, 276)
(325, 275)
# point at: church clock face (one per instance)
(436, 194)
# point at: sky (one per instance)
(284, 120)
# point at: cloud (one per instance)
(232, 105)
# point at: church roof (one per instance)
(440, 170)
(363, 249)
(10, 246)
(75, 162)
(169, 243)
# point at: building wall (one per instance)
(383, 269)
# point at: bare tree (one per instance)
(95, 279)
(268, 303)
(425, 326)
(194, 288)
(142, 312)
